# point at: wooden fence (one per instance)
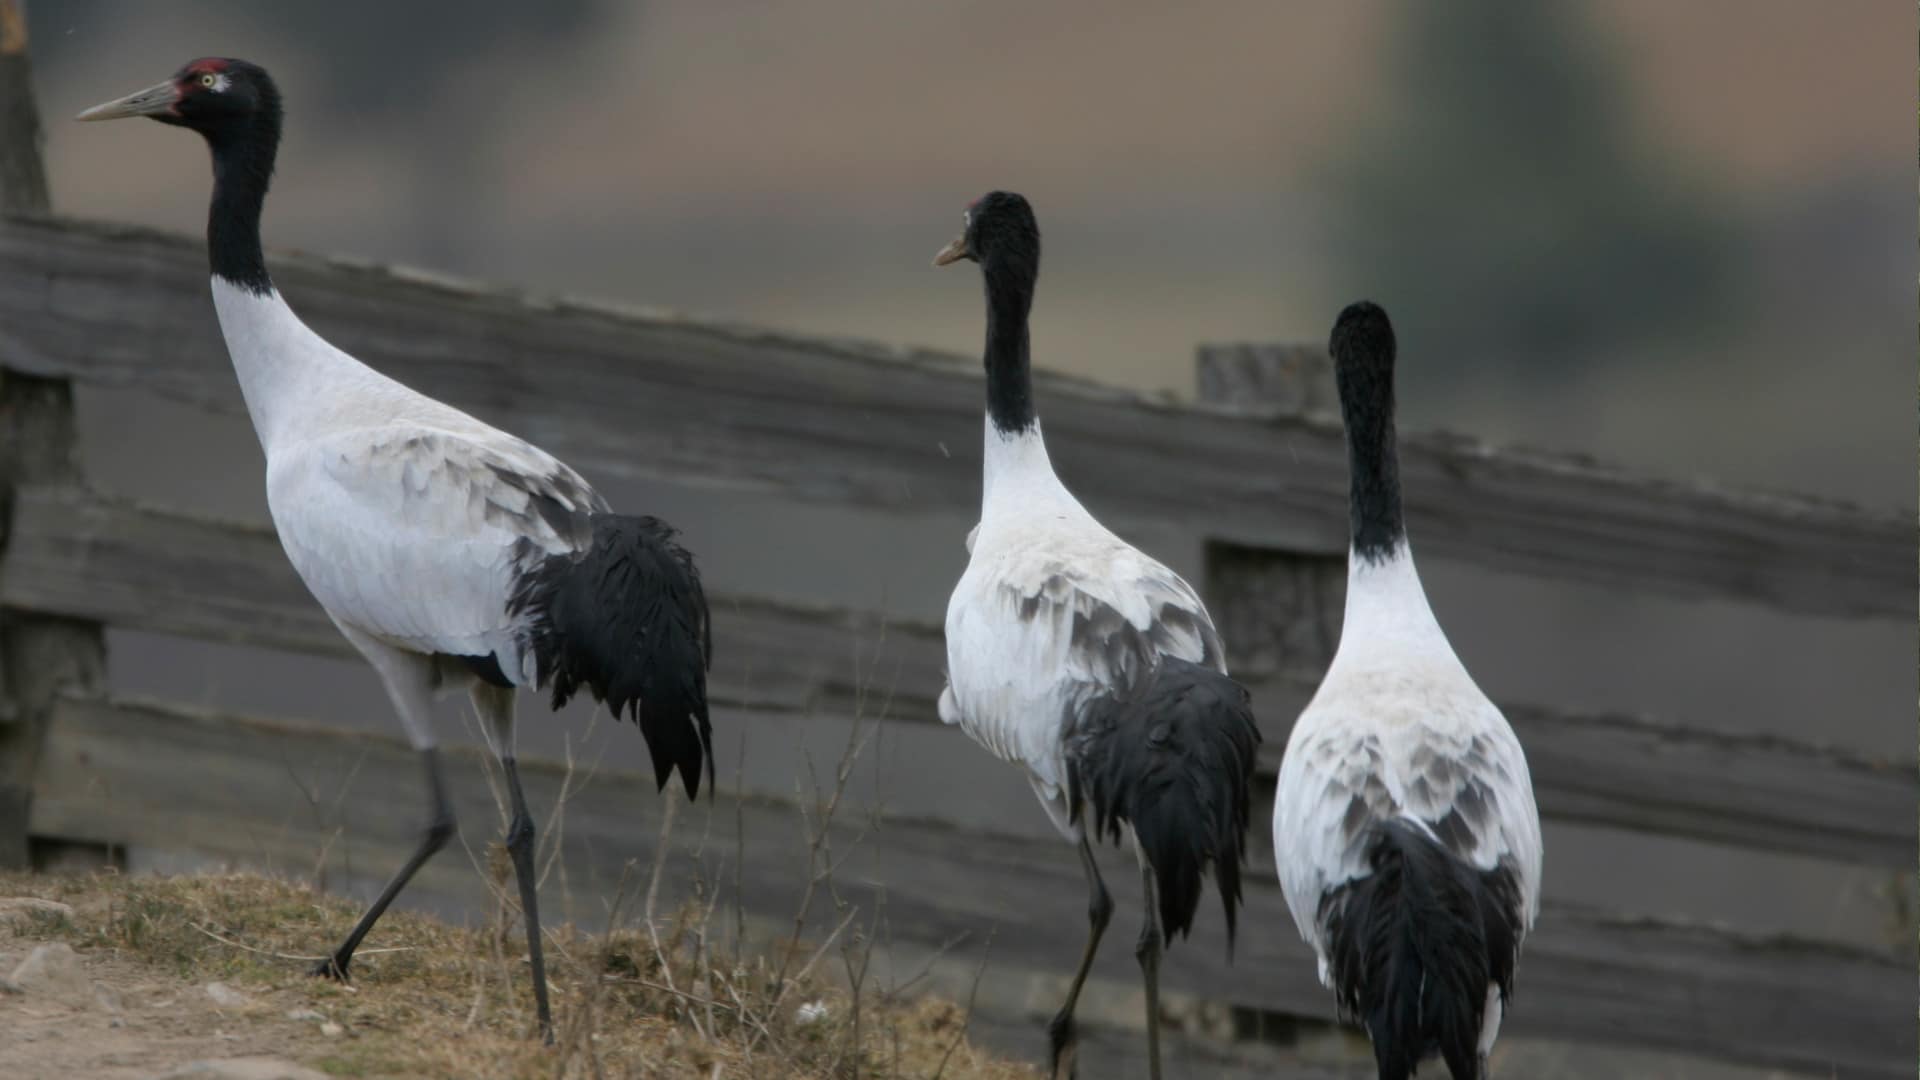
(618, 392)
(622, 393)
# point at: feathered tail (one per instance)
(1173, 760)
(1414, 947)
(626, 618)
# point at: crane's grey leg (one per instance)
(495, 706)
(1061, 1032)
(409, 682)
(1148, 952)
(440, 828)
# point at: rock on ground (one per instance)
(22, 908)
(226, 996)
(50, 969)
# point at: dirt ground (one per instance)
(115, 977)
(127, 1020)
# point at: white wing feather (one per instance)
(412, 533)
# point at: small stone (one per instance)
(107, 997)
(304, 1015)
(50, 969)
(226, 996)
(331, 1029)
(116, 1022)
(242, 1068)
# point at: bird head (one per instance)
(214, 96)
(999, 227)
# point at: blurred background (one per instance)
(1679, 237)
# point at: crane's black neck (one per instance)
(1009, 282)
(243, 155)
(1363, 366)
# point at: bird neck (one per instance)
(1016, 469)
(1009, 376)
(284, 368)
(1388, 619)
(242, 168)
(1366, 404)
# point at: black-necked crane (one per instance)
(1404, 824)
(1087, 664)
(448, 553)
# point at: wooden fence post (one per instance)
(40, 657)
(1278, 611)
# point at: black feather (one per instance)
(1414, 945)
(1175, 761)
(627, 619)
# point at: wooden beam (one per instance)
(75, 554)
(80, 555)
(1762, 792)
(1280, 616)
(145, 775)
(622, 391)
(39, 656)
(1267, 380)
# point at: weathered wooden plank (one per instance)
(1262, 379)
(78, 554)
(145, 775)
(1761, 792)
(81, 555)
(1280, 614)
(619, 391)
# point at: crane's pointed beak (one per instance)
(153, 101)
(953, 252)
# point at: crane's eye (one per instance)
(208, 80)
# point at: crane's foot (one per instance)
(1064, 1039)
(333, 967)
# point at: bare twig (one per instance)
(807, 968)
(966, 1018)
(820, 862)
(670, 797)
(224, 940)
(739, 850)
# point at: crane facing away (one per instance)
(1404, 825)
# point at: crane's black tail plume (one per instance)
(626, 618)
(1174, 760)
(1414, 947)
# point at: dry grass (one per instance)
(431, 999)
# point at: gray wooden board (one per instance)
(619, 391)
(147, 775)
(1267, 378)
(80, 555)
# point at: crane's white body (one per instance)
(1399, 728)
(1053, 609)
(406, 518)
